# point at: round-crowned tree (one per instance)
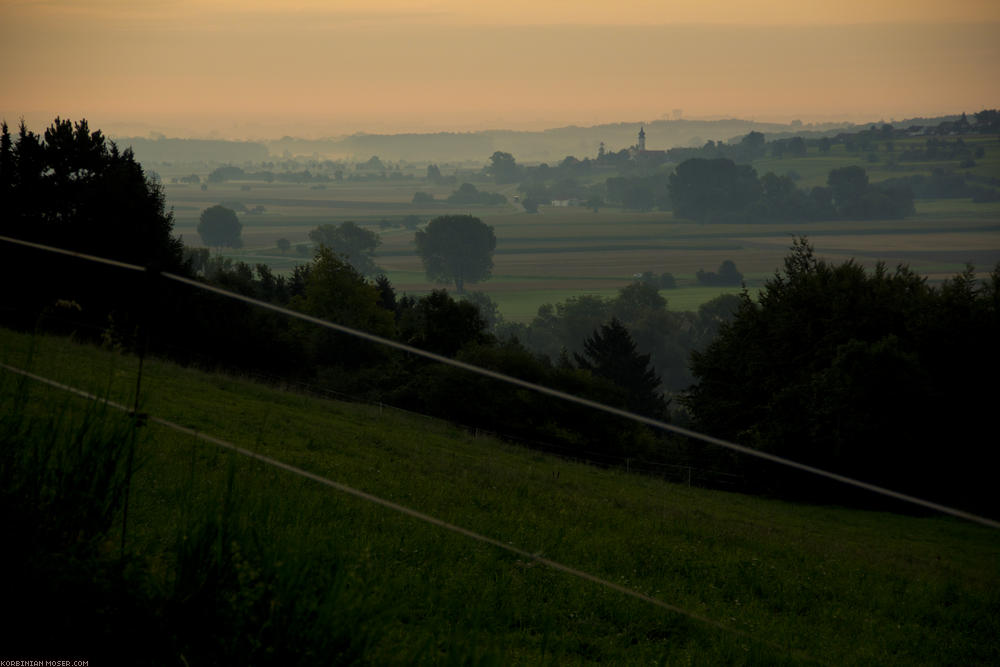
(354, 244)
(457, 248)
(219, 227)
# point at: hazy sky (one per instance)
(254, 68)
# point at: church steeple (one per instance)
(642, 138)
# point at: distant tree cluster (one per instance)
(855, 198)
(942, 149)
(610, 368)
(866, 141)
(504, 168)
(726, 276)
(372, 164)
(752, 146)
(715, 190)
(945, 184)
(987, 121)
(434, 174)
(546, 186)
(781, 200)
(354, 244)
(422, 198)
(643, 193)
(233, 173)
(665, 280)
(667, 336)
(793, 147)
(719, 190)
(469, 194)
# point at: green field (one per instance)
(788, 583)
(563, 252)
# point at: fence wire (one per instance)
(420, 516)
(571, 398)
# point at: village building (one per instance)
(640, 152)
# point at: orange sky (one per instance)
(256, 68)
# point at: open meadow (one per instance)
(772, 582)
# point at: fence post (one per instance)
(689, 475)
(147, 296)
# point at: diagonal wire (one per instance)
(426, 518)
(556, 393)
(73, 253)
(618, 412)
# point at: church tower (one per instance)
(642, 138)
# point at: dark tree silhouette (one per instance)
(467, 193)
(74, 189)
(848, 185)
(219, 227)
(351, 242)
(857, 371)
(727, 275)
(503, 168)
(438, 323)
(71, 188)
(610, 353)
(713, 190)
(422, 198)
(387, 294)
(457, 248)
(855, 198)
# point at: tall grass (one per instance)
(62, 482)
(230, 561)
(225, 594)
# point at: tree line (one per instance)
(715, 189)
(873, 374)
(71, 188)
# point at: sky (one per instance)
(254, 69)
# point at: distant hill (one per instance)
(534, 146)
(550, 145)
(165, 149)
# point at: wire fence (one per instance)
(532, 386)
(676, 471)
(689, 472)
(416, 514)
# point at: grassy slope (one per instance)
(842, 586)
